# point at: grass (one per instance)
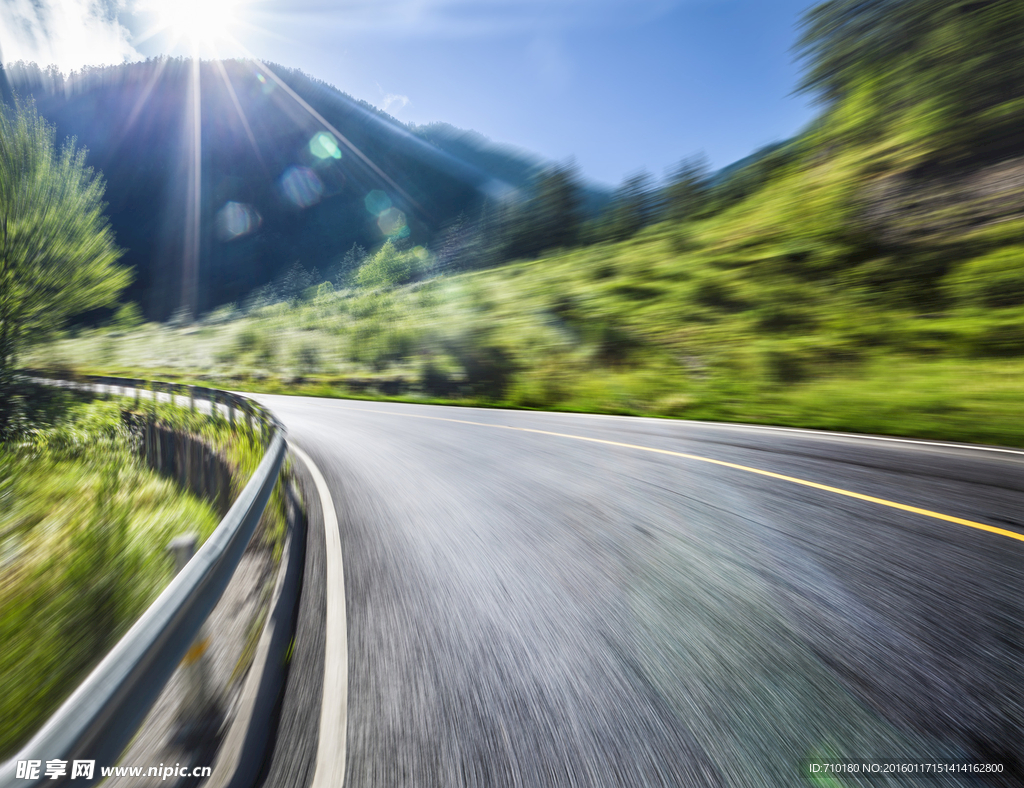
(83, 528)
(783, 309)
(502, 338)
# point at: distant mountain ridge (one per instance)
(296, 204)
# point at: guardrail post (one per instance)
(192, 398)
(198, 700)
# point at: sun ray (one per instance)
(238, 109)
(140, 102)
(205, 23)
(139, 105)
(190, 258)
(330, 127)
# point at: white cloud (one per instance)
(67, 33)
(392, 99)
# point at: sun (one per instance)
(197, 21)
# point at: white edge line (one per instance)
(330, 751)
(226, 764)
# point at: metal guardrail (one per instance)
(154, 389)
(100, 718)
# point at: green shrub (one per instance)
(488, 367)
(994, 280)
(997, 338)
(923, 337)
(324, 295)
(127, 317)
(437, 381)
(785, 364)
(259, 340)
(612, 344)
(546, 384)
(717, 293)
(226, 354)
(246, 339)
(307, 359)
(389, 268)
(780, 318)
(637, 291)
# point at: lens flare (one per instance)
(301, 186)
(236, 219)
(377, 202)
(392, 223)
(324, 146)
(265, 86)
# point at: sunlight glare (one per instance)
(199, 21)
(377, 202)
(324, 146)
(393, 224)
(301, 187)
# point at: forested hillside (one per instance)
(867, 274)
(272, 195)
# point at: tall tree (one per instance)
(687, 189)
(548, 215)
(635, 206)
(57, 252)
(295, 281)
(947, 73)
(558, 205)
(349, 264)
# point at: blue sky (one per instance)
(622, 86)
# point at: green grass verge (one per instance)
(783, 309)
(83, 529)
(84, 526)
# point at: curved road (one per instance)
(539, 599)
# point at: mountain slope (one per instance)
(293, 199)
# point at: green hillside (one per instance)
(867, 275)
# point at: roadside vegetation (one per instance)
(84, 522)
(677, 321)
(84, 527)
(867, 275)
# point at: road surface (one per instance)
(539, 599)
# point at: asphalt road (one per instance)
(525, 607)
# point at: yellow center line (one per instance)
(745, 468)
